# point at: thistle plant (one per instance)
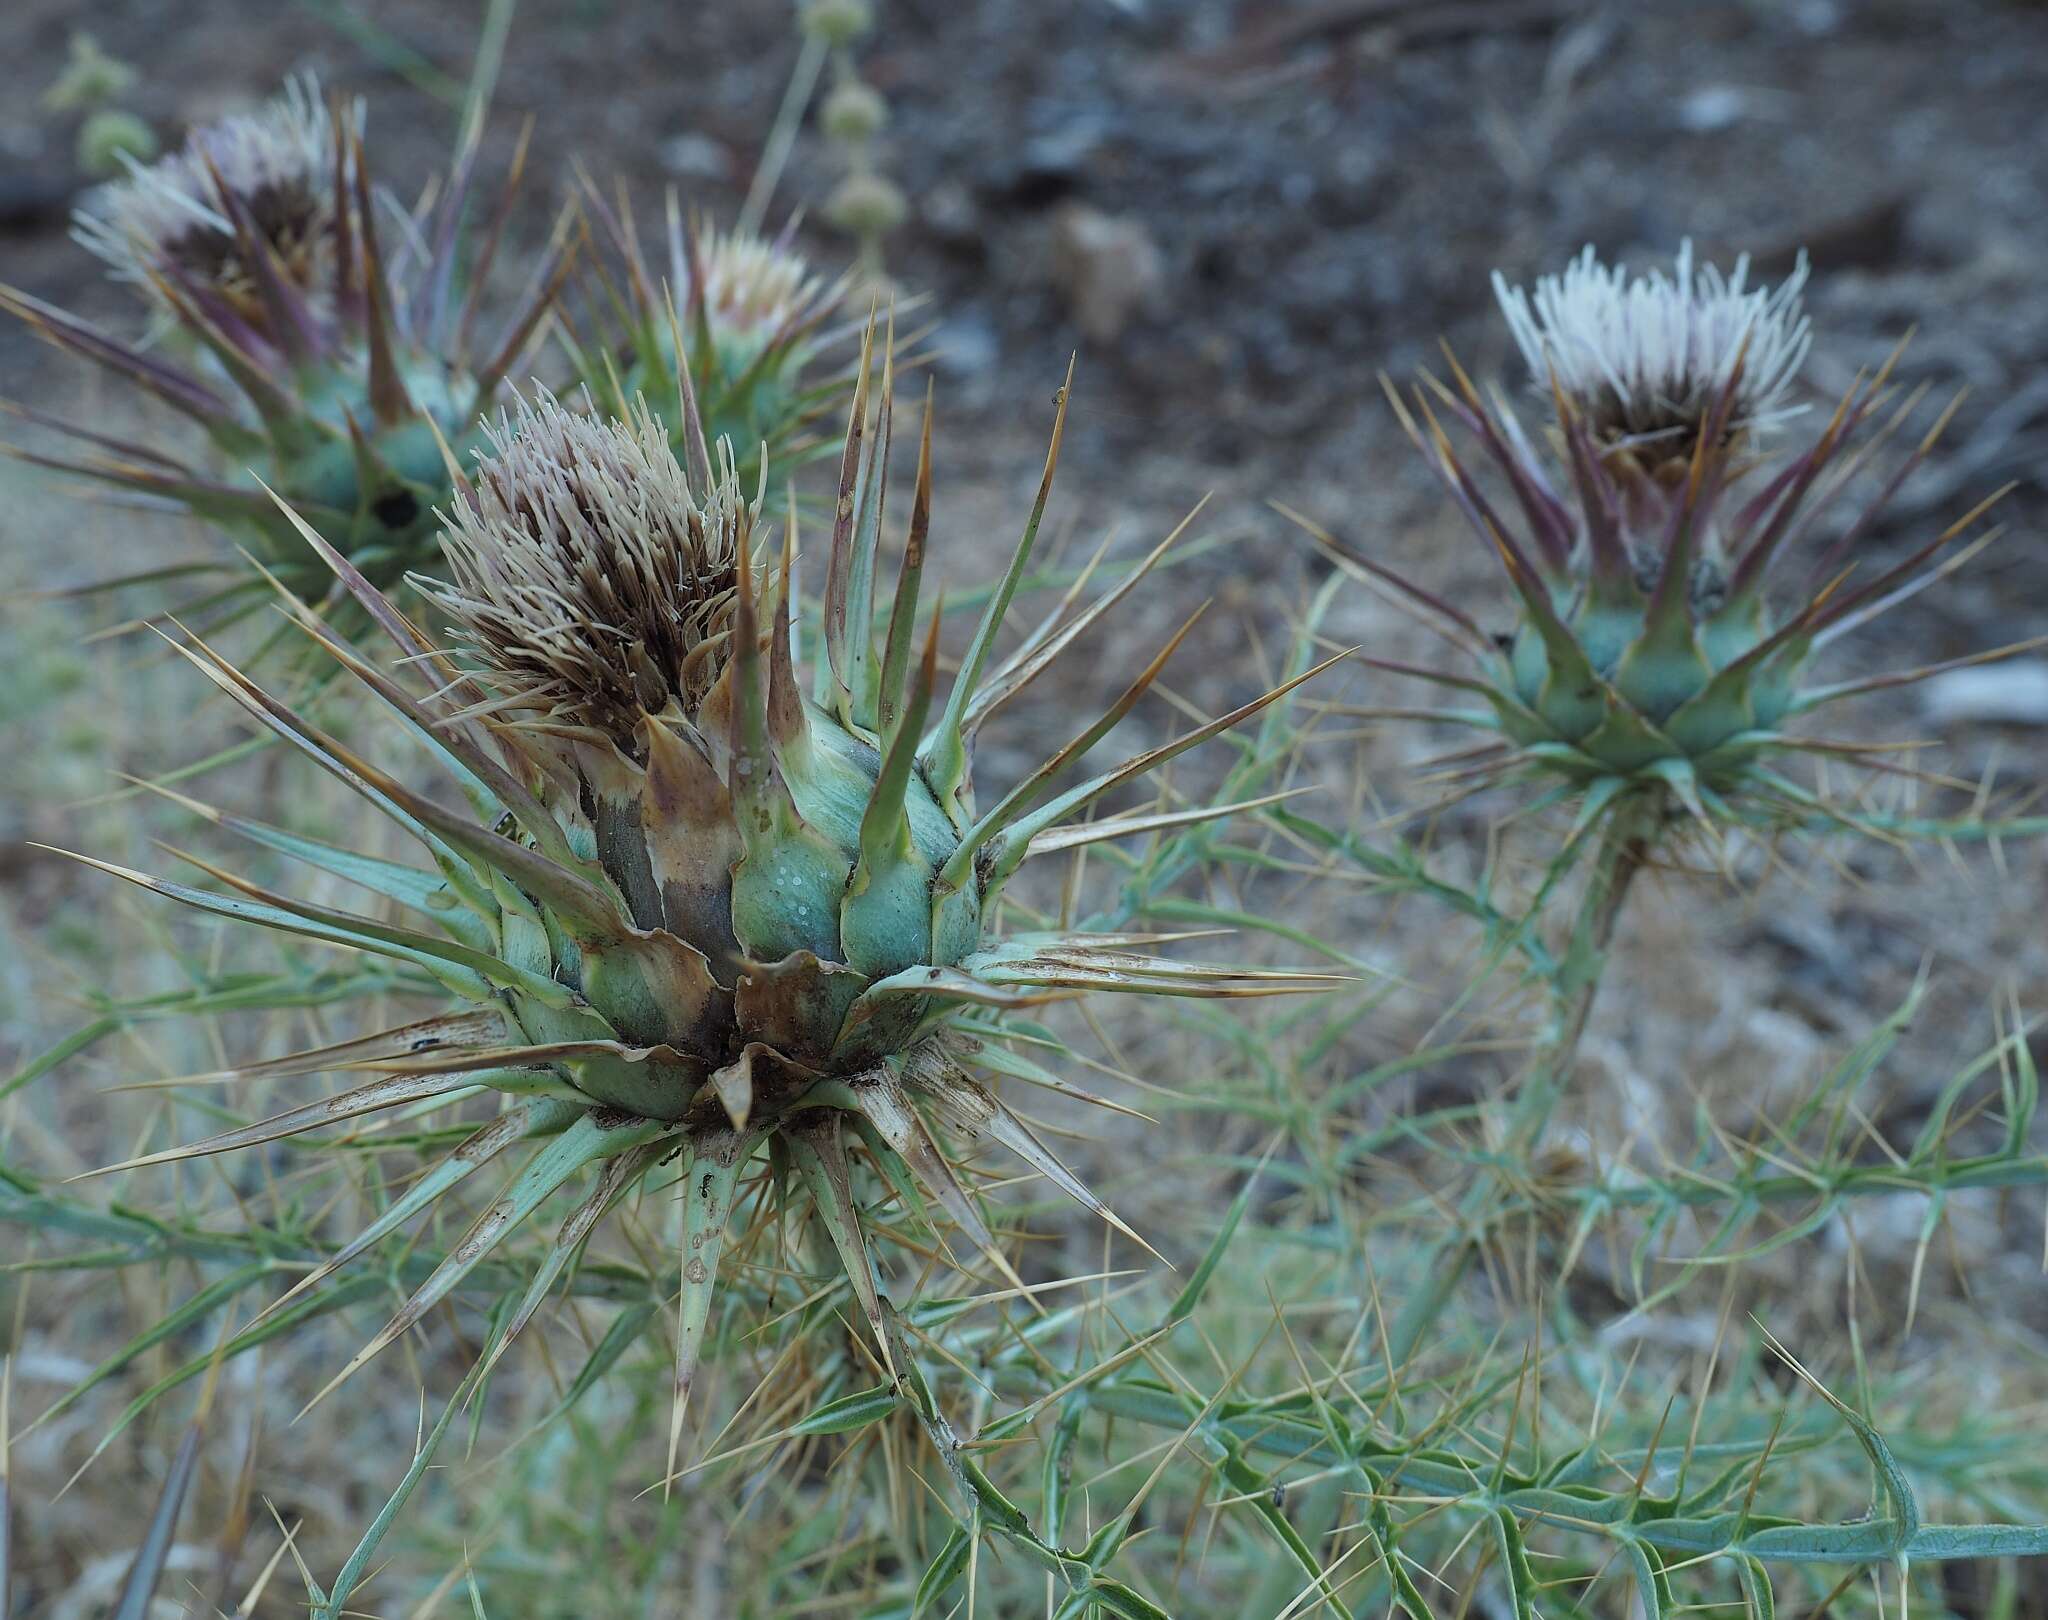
(312, 360)
(1648, 657)
(1650, 683)
(724, 341)
(719, 987)
(698, 915)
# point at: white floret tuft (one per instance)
(279, 160)
(754, 290)
(1647, 356)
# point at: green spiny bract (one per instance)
(749, 316)
(1647, 655)
(697, 911)
(312, 360)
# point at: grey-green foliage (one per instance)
(1138, 1446)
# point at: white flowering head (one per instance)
(1652, 653)
(753, 289)
(586, 579)
(176, 218)
(1645, 359)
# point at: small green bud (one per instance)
(108, 136)
(91, 78)
(865, 204)
(854, 112)
(837, 22)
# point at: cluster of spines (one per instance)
(439, 1060)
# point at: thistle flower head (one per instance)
(747, 313)
(750, 917)
(1646, 359)
(1650, 653)
(751, 287)
(587, 583)
(176, 218)
(333, 373)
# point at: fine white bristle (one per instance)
(1649, 355)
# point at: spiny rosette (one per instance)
(1649, 654)
(314, 362)
(697, 912)
(750, 319)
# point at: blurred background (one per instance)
(1236, 214)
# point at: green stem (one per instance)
(1624, 849)
(1625, 844)
(789, 118)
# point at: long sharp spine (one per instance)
(944, 751)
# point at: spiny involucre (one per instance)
(697, 910)
(314, 361)
(725, 335)
(1648, 655)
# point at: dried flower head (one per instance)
(1645, 359)
(586, 580)
(176, 218)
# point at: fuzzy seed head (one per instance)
(587, 582)
(171, 218)
(1645, 358)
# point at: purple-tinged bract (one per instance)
(323, 338)
(1643, 537)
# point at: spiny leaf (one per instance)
(710, 1172)
(596, 1135)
